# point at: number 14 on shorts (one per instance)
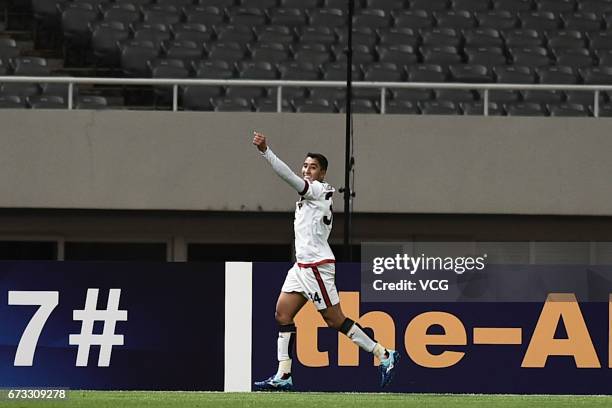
(314, 297)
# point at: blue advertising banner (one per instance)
(558, 345)
(112, 325)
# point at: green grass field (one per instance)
(127, 399)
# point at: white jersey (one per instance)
(313, 213)
(313, 223)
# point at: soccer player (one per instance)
(312, 276)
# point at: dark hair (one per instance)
(320, 158)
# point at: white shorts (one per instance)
(316, 282)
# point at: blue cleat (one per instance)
(387, 368)
(274, 384)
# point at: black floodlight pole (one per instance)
(348, 163)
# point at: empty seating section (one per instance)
(467, 41)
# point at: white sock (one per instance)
(284, 345)
(284, 367)
(359, 337)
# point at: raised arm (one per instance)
(299, 184)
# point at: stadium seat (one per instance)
(568, 109)
(209, 15)
(135, 56)
(499, 19)
(556, 75)
(574, 57)
(386, 5)
(275, 34)
(135, 2)
(371, 18)
(4, 68)
(565, 39)
(11, 101)
(401, 107)
(510, 75)
(215, 69)
(176, 3)
(271, 52)
(75, 20)
(217, 3)
(293, 17)
(314, 106)
(317, 35)
(398, 54)
(530, 56)
(605, 110)
(260, 4)
(299, 71)
(316, 53)
(426, 73)
(160, 14)
(398, 36)
(519, 38)
(456, 19)
(154, 33)
(362, 54)
(443, 56)
(46, 102)
(166, 68)
(55, 89)
(199, 97)
(191, 32)
(91, 102)
(485, 55)
(104, 39)
(22, 90)
(471, 5)
(235, 33)
(596, 75)
(539, 20)
(186, 51)
(123, 13)
(232, 104)
(477, 108)
(30, 66)
(327, 17)
(440, 37)
(604, 57)
(304, 4)
(581, 97)
(361, 36)
(470, 73)
(246, 16)
(8, 49)
(543, 96)
(600, 40)
(357, 106)
(270, 105)
(230, 51)
(257, 70)
(413, 19)
(594, 6)
(525, 109)
(556, 6)
(582, 22)
(383, 72)
(337, 72)
(512, 6)
(482, 37)
(246, 92)
(429, 5)
(455, 95)
(438, 108)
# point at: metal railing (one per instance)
(280, 84)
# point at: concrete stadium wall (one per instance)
(205, 161)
